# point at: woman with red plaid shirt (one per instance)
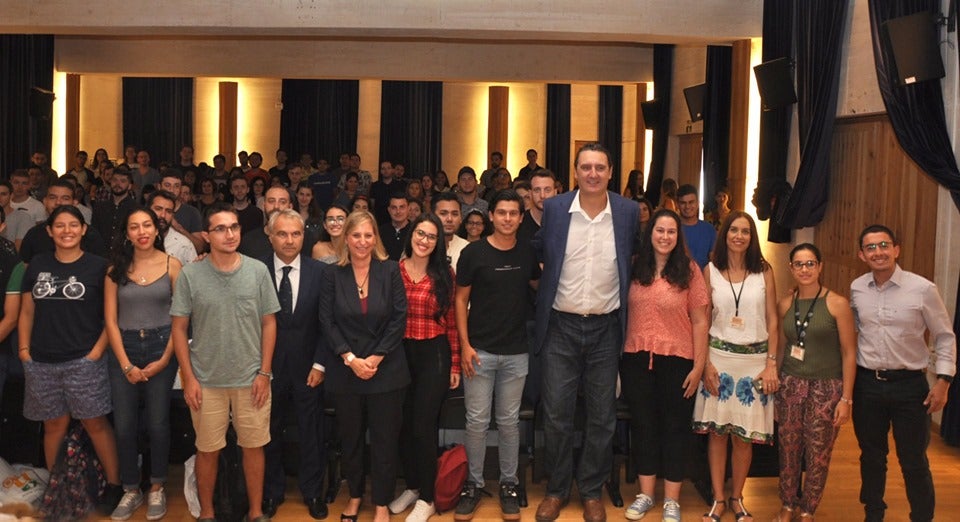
(433, 356)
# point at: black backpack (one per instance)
(230, 491)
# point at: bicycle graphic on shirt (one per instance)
(47, 286)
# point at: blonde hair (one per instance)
(355, 219)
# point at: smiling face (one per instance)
(66, 231)
(424, 239)
(592, 172)
(361, 241)
(333, 221)
(879, 253)
(506, 217)
(738, 236)
(805, 267)
(141, 229)
(664, 236)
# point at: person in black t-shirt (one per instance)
(493, 276)
(38, 240)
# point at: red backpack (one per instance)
(451, 474)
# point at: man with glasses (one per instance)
(893, 309)
(231, 301)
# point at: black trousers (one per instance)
(382, 414)
(878, 405)
(308, 409)
(659, 414)
(429, 363)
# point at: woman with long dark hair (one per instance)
(62, 341)
(475, 226)
(817, 371)
(433, 356)
(331, 236)
(309, 210)
(137, 296)
(634, 188)
(735, 402)
(664, 354)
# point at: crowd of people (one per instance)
(303, 285)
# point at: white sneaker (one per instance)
(421, 512)
(671, 511)
(156, 504)
(639, 507)
(405, 500)
(129, 503)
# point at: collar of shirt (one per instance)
(576, 208)
(278, 266)
(896, 278)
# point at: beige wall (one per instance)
(101, 115)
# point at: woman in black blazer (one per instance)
(364, 317)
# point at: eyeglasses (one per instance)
(336, 219)
(872, 247)
(222, 229)
(474, 223)
(431, 238)
(810, 265)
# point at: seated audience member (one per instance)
(331, 237)
(37, 239)
(137, 294)
(62, 341)
(475, 227)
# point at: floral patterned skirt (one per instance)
(740, 409)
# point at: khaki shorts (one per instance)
(210, 423)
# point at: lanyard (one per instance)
(801, 327)
(736, 296)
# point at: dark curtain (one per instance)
(662, 84)
(917, 115)
(820, 25)
(25, 61)
(411, 122)
(716, 122)
(610, 129)
(319, 118)
(558, 131)
(778, 33)
(158, 116)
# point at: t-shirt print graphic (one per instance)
(49, 286)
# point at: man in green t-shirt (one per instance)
(231, 302)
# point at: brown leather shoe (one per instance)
(549, 509)
(593, 510)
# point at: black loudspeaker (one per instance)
(651, 113)
(914, 40)
(41, 103)
(695, 96)
(775, 83)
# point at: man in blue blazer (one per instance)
(585, 244)
(299, 364)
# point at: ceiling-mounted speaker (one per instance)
(695, 96)
(775, 83)
(915, 42)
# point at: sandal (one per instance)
(784, 510)
(743, 515)
(351, 518)
(806, 516)
(713, 516)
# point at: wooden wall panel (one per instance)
(498, 123)
(228, 122)
(72, 129)
(874, 181)
(640, 145)
(691, 159)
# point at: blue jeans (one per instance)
(501, 376)
(155, 395)
(580, 353)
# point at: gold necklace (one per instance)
(362, 283)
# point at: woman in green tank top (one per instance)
(816, 381)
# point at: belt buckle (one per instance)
(878, 376)
(143, 334)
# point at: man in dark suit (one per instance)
(298, 365)
(585, 244)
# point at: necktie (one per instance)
(286, 291)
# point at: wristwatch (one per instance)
(268, 375)
(944, 377)
(349, 359)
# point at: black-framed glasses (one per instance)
(432, 238)
(810, 265)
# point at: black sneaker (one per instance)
(110, 499)
(469, 499)
(509, 502)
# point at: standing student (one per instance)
(142, 367)
(228, 366)
(433, 356)
(893, 310)
(493, 277)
